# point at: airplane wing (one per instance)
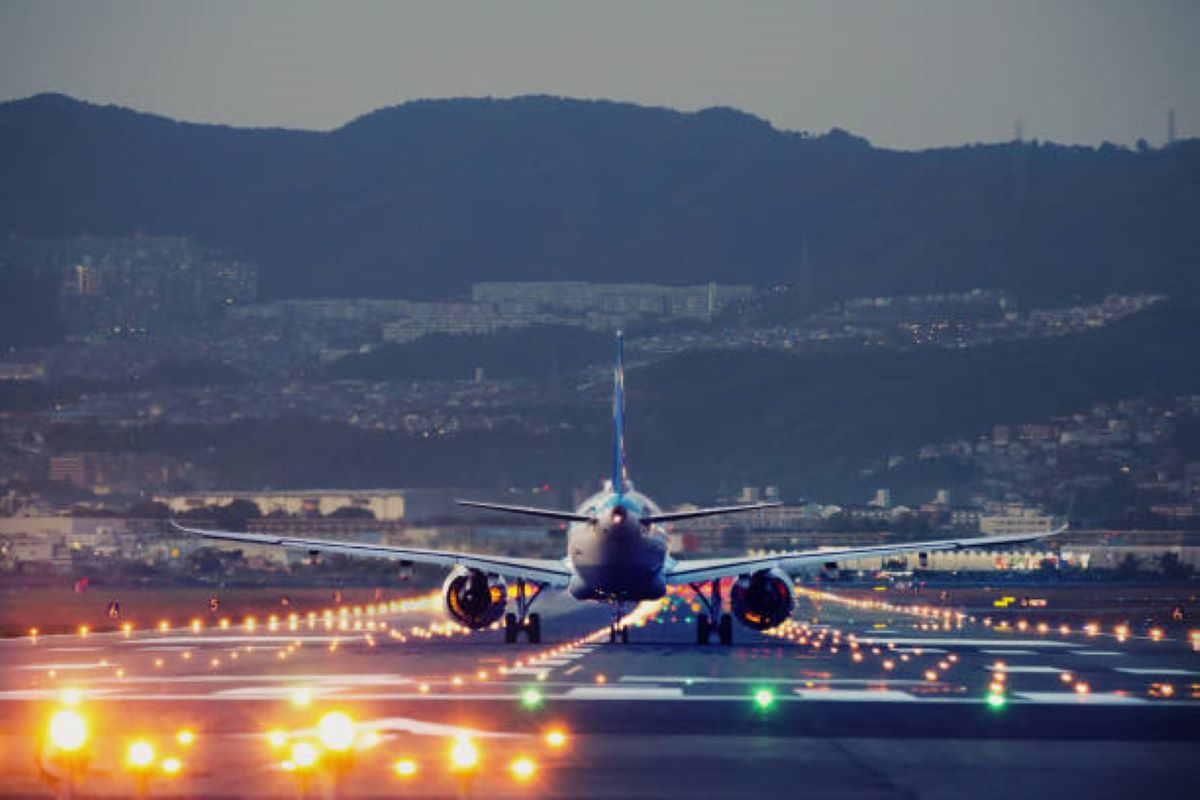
(712, 568)
(542, 570)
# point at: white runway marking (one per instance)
(624, 693)
(1154, 671)
(53, 649)
(879, 682)
(91, 665)
(1023, 668)
(269, 692)
(553, 662)
(921, 650)
(1073, 699)
(281, 637)
(1096, 653)
(858, 695)
(1010, 652)
(951, 642)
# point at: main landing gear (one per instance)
(531, 624)
(712, 620)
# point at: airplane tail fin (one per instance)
(619, 474)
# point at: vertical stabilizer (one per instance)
(619, 474)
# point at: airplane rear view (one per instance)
(618, 553)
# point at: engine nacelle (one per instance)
(474, 599)
(762, 600)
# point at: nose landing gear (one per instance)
(712, 620)
(616, 631)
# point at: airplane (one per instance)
(618, 553)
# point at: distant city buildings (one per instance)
(119, 286)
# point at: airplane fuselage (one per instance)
(617, 557)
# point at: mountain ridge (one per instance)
(425, 198)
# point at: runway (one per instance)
(848, 700)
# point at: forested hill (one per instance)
(425, 198)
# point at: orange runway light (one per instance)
(556, 738)
(68, 731)
(140, 755)
(464, 755)
(523, 769)
(304, 755)
(336, 731)
(1082, 688)
(405, 767)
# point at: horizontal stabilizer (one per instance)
(674, 516)
(548, 513)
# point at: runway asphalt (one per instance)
(847, 700)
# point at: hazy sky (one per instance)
(903, 74)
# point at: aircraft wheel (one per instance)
(533, 627)
(624, 634)
(510, 628)
(725, 630)
(703, 629)
(612, 633)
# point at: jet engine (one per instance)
(762, 600)
(474, 599)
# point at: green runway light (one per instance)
(764, 698)
(531, 698)
(996, 700)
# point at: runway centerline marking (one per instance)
(625, 692)
(857, 695)
(1072, 698)
(956, 642)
